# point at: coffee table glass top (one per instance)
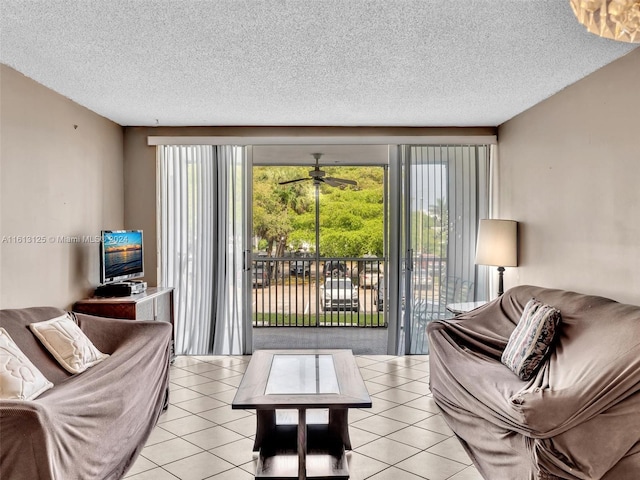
(300, 374)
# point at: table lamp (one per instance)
(498, 246)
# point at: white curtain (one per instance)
(200, 241)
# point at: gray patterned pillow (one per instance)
(531, 341)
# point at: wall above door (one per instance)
(331, 154)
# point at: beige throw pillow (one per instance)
(19, 378)
(67, 343)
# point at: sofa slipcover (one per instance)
(577, 418)
(92, 425)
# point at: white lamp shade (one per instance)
(497, 243)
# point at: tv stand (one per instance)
(156, 303)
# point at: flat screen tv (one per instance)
(121, 255)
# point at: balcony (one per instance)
(307, 292)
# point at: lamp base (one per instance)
(500, 282)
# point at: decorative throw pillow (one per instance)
(67, 343)
(531, 341)
(19, 378)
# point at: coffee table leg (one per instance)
(265, 423)
(339, 425)
(302, 444)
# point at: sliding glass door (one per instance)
(320, 251)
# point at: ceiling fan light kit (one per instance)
(613, 19)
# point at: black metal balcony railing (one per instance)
(305, 292)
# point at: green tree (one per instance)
(275, 205)
(351, 217)
(430, 229)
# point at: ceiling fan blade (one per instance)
(335, 182)
(293, 181)
(330, 181)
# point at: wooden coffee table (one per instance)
(302, 380)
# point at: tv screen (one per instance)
(122, 255)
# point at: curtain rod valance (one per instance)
(325, 140)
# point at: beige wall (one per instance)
(61, 177)
(569, 171)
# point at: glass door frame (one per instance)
(318, 260)
(247, 258)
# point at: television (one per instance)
(121, 255)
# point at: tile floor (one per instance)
(402, 437)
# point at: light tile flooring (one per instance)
(402, 437)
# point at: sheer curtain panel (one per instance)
(200, 238)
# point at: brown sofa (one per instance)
(577, 418)
(92, 425)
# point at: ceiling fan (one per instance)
(318, 176)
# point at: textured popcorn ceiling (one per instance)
(302, 62)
